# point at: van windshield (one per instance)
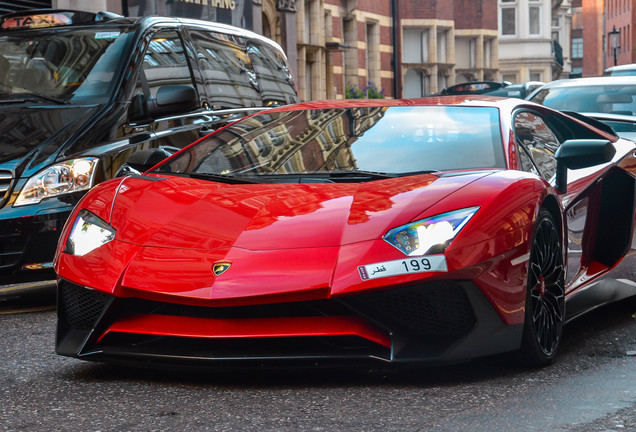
(65, 65)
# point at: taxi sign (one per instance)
(43, 19)
(35, 21)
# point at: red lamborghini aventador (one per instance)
(428, 230)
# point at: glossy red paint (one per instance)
(298, 242)
(271, 216)
(206, 328)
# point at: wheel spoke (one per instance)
(546, 286)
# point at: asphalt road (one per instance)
(592, 387)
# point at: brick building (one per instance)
(589, 54)
(620, 16)
(401, 48)
(576, 39)
(443, 43)
(534, 39)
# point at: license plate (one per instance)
(424, 264)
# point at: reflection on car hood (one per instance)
(37, 132)
(181, 212)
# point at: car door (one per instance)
(166, 63)
(537, 140)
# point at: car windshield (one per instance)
(349, 141)
(63, 65)
(612, 99)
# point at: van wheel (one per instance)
(545, 294)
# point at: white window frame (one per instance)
(540, 9)
(508, 5)
(577, 47)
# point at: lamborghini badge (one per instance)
(220, 268)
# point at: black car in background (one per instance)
(493, 88)
(81, 92)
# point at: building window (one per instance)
(307, 14)
(577, 48)
(415, 48)
(487, 53)
(534, 23)
(416, 84)
(509, 77)
(536, 76)
(441, 46)
(577, 72)
(577, 18)
(442, 81)
(308, 80)
(351, 55)
(373, 53)
(508, 23)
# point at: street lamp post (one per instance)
(615, 41)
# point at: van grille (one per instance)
(6, 178)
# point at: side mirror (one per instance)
(580, 153)
(142, 160)
(138, 109)
(171, 99)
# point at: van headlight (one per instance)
(431, 235)
(88, 233)
(65, 177)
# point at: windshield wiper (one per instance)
(221, 178)
(40, 96)
(9, 98)
(370, 175)
(323, 177)
(413, 173)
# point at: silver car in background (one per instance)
(610, 100)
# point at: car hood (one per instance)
(35, 133)
(179, 212)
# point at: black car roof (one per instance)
(92, 19)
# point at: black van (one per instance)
(80, 92)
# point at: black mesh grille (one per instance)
(431, 309)
(81, 307)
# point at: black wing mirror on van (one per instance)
(580, 153)
(142, 161)
(170, 99)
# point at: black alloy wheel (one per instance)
(545, 296)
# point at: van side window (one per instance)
(227, 71)
(275, 78)
(165, 62)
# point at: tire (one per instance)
(545, 294)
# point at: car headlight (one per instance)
(65, 177)
(88, 233)
(431, 235)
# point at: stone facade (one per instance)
(619, 15)
(534, 40)
(339, 48)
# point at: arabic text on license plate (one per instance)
(423, 264)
